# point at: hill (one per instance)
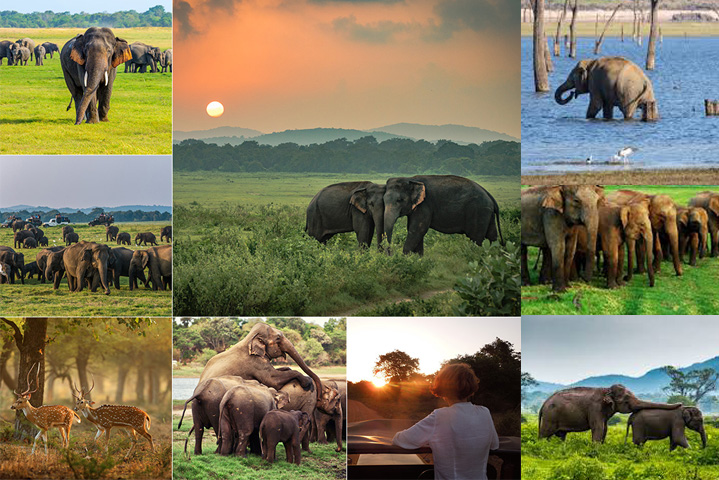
(433, 133)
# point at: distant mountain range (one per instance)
(121, 208)
(651, 382)
(431, 133)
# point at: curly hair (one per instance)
(455, 380)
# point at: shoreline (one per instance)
(687, 176)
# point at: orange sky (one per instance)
(291, 64)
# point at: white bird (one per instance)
(623, 154)
(590, 159)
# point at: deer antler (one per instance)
(27, 380)
(77, 391)
(93, 384)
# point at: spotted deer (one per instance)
(105, 417)
(46, 416)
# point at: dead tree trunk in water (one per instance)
(573, 32)
(653, 34)
(547, 55)
(539, 44)
(559, 28)
(598, 42)
(711, 107)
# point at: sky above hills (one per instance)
(279, 64)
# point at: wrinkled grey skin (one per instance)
(20, 237)
(65, 230)
(43, 241)
(31, 269)
(28, 43)
(94, 55)
(111, 232)
(166, 234)
(39, 55)
(142, 56)
(286, 427)
(652, 424)
(580, 409)
(120, 267)
(29, 242)
(85, 260)
(347, 207)
(307, 401)
(5, 51)
(21, 55)
(42, 258)
(50, 48)
(15, 260)
(331, 425)
(71, 238)
(158, 261)
(124, 238)
(166, 60)
(144, 238)
(55, 267)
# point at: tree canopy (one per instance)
(396, 366)
(154, 17)
(694, 384)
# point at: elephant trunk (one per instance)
(637, 405)
(566, 86)
(103, 268)
(591, 221)
(378, 217)
(704, 436)
(649, 248)
(390, 217)
(94, 74)
(289, 349)
(132, 274)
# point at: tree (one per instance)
(694, 384)
(528, 380)
(653, 34)
(396, 366)
(541, 78)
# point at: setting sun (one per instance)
(379, 382)
(215, 109)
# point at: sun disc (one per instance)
(215, 109)
(379, 382)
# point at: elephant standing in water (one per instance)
(652, 424)
(580, 409)
(446, 203)
(611, 82)
(89, 63)
(347, 207)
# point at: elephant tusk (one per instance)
(85, 80)
(106, 78)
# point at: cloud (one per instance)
(379, 33)
(181, 17)
(357, 1)
(228, 5)
(475, 15)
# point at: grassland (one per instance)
(39, 299)
(34, 100)
(578, 458)
(690, 294)
(241, 250)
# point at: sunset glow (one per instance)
(379, 382)
(215, 109)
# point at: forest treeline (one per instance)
(365, 155)
(154, 17)
(80, 217)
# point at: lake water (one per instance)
(557, 139)
(182, 388)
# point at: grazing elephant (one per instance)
(124, 238)
(166, 234)
(43, 242)
(5, 51)
(550, 215)
(4, 273)
(87, 259)
(31, 269)
(330, 425)
(42, 258)
(580, 409)
(89, 64)
(611, 82)
(50, 48)
(446, 203)
(55, 267)
(166, 61)
(663, 215)
(28, 43)
(38, 233)
(693, 226)
(651, 424)
(347, 207)
(20, 237)
(18, 225)
(242, 409)
(145, 238)
(16, 262)
(39, 55)
(286, 427)
(29, 242)
(65, 230)
(709, 201)
(120, 265)
(158, 260)
(21, 55)
(71, 238)
(111, 232)
(142, 55)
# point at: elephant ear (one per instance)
(608, 401)
(257, 346)
(122, 52)
(87, 254)
(714, 205)
(687, 414)
(76, 54)
(624, 216)
(145, 259)
(418, 193)
(553, 199)
(359, 200)
(281, 399)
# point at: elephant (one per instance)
(324, 421)
(55, 267)
(347, 207)
(28, 43)
(120, 265)
(242, 409)
(619, 224)
(65, 230)
(18, 225)
(142, 55)
(29, 242)
(111, 232)
(611, 82)
(71, 238)
(250, 359)
(286, 427)
(158, 260)
(43, 241)
(549, 217)
(89, 64)
(446, 203)
(166, 233)
(145, 238)
(709, 201)
(123, 238)
(50, 48)
(166, 61)
(16, 262)
(20, 237)
(580, 409)
(21, 55)
(39, 55)
(663, 215)
(5, 51)
(30, 269)
(693, 227)
(38, 233)
(652, 424)
(42, 258)
(86, 259)
(4, 273)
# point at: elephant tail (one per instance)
(188, 437)
(539, 423)
(184, 409)
(496, 216)
(69, 105)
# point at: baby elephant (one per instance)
(286, 427)
(655, 424)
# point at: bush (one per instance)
(579, 468)
(206, 355)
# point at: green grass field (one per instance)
(241, 250)
(578, 458)
(34, 99)
(690, 294)
(39, 299)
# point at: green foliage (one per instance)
(493, 286)
(154, 17)
(206, 355)
(396, 366)
(88, 467)
(579, 468)
(83, 218)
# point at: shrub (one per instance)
(579, 468)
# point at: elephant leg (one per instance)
(562, 435)
(271, 451)
(545, 272)
(558, 281)
(620, 264)
(289, 451)
(199, 430)
(524, 266)
(683, 243)
(631, 245)
(416, 230)
(695, 249)
(658, 252)
(673, 234)
(608, 110)
(594, 107)
(483, 228)
(714, 233)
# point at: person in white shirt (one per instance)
(460, 435)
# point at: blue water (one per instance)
(182, 388)
(558, 139)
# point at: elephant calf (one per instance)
(286, 427)
(693, 226)
(653, 424)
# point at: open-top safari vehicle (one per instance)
(102, 219)
(8, 222)
(34, 220)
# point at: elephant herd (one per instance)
(580, 409)
(24, 49)
(144, 55)
(446, 203)
(248, 403)
(89, 264)
(573, 224)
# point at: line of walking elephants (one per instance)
(573, 224)
(248, 403)
(87, 263)
(89, 64)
